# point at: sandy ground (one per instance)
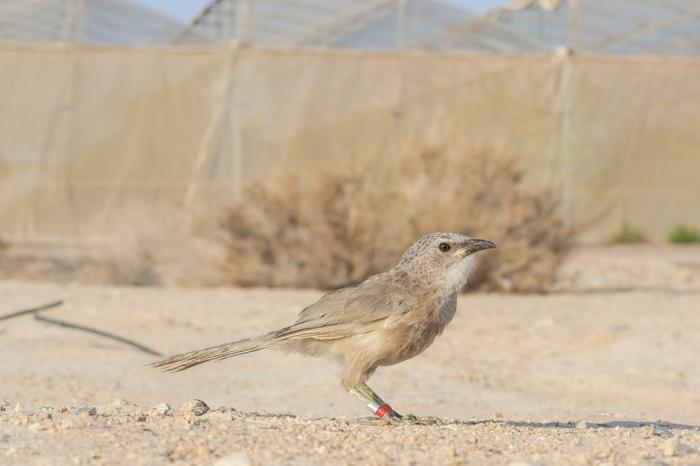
(595, 378)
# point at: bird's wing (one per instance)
(349, 311)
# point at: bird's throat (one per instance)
(457, 276)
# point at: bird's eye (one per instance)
(444, 247)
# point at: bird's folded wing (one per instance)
(348, 311)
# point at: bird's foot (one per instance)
(386, 413)
(410, 419)
(394, 418)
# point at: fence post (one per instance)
(243, 21)
(401, 24)
(574, 19)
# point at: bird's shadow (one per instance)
(375, 421)
(623, 424)
(626, 424)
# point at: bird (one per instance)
(386, 319)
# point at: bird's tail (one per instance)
(181, 362)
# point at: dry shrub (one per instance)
(343, 228)
(282, 235)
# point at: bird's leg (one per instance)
(374, 403)
(382, 410)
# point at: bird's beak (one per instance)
(474, 245)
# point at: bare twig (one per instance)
(32, 310)
(36, 312)
(102, 333)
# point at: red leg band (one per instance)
(382, 410)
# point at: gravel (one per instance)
(128, 434)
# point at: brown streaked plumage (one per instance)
(388, 318)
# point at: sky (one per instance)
(186, 9)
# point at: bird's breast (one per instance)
(446, 311)
(415, 330)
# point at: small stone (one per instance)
(19, 408)
(4, 405)
(121, 403)
(121, 406)
(195, 407)
(71, 422)
(661, 431)
(82, 409)
(674, 447)
(239, 458)
(162, 409)
(584, 425)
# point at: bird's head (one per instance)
(442, 260)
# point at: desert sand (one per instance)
(607, 377)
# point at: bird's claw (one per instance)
(422, 420)
(392, 417)
(395, 418)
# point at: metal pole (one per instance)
(574, 18)
(400, 24)
(72, 14)
(243, 21)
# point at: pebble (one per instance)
(71, 422)
(82, 409)
(674, 447)
(239, 458)
(121, 403)
(162, 409)
(661, 431)
(4, 405)
(196, 407)
(19, 408)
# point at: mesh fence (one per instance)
(118, 22)
(600, 27)
(93, 139)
